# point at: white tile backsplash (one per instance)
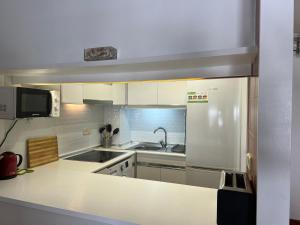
(138, 124)
(149, 136)
(117, 116)
(125, 135)
(148, 119)
(143, 121)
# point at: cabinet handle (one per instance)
(157, 165)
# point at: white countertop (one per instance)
(70, 187)
(131, 144)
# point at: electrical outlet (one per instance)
(86, 131)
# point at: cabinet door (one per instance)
(119, 94)
(148, 173)
(171, 93)
(71, 94)
(129, 172)
(142, 93)
(101, 92)
(203, 178)
(173, 175)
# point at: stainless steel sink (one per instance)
(178, 149)
(148, 146)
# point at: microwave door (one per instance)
(33, 103)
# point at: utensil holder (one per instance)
(106, 142)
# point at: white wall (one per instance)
(138, 124)
(274, 111)
(297, 17)
(295, 169)
(36, 33)
(2, 122)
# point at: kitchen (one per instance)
(166, 123)
(143, 130)
(155, 125)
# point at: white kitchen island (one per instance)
(67, 192)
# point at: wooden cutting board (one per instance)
(41, 151)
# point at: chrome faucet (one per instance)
(163, 144)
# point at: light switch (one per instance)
(86, 131)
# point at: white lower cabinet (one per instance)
(203, 177)
(189, 176)
(148, 173)
(167, 168)
(161, 174)
(173, 175)
(130, 172)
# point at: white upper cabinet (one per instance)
(75, 94)
(100, 92)
(71, 94)
(137, 93)
(157, 93)
(171, 93)
(119, 95)
(142, 93)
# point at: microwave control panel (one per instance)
(55, 112)
(7, 103)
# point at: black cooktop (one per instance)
(95, 156)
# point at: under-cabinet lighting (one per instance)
(75, 107)
(122, 82)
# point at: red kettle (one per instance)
(9, 165)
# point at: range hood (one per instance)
(97, 102)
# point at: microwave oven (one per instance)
(19, 102)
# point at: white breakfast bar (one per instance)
(68, 192)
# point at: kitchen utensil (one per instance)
(106, 141)
(101, 130)
(9, 164)
(116, 131)
(108, 128)
(42, 151)
(106, 137)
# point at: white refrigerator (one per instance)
(216, 129)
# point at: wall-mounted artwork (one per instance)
(100, 53)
